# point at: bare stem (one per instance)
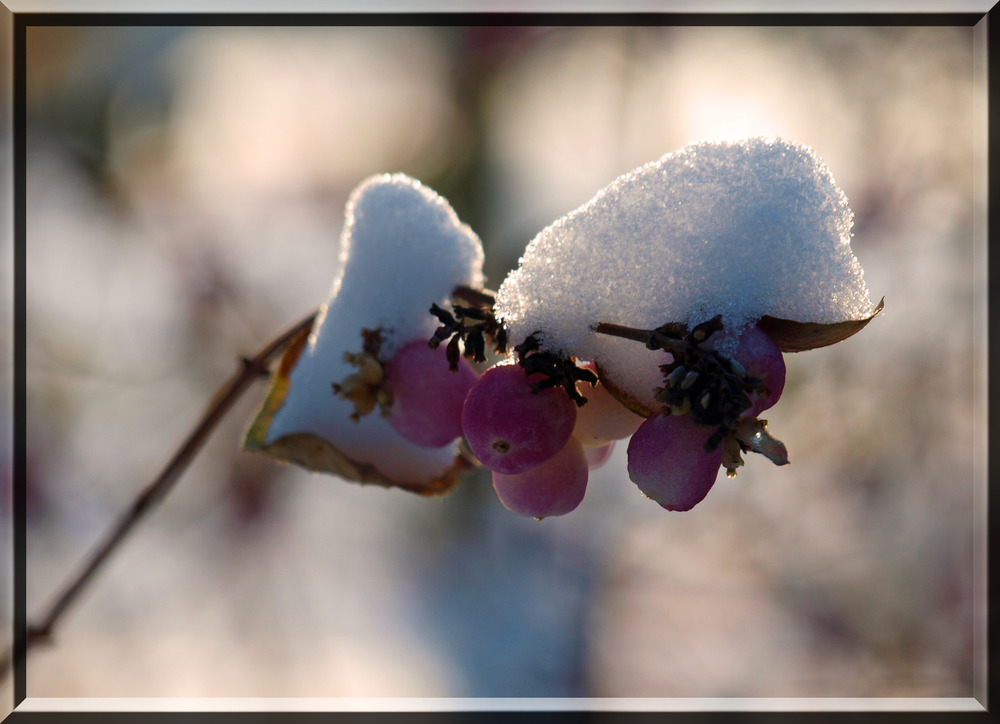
(476, 297)
(250, 369)
(649, 337)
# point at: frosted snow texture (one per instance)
(402, 249)
(740, 229)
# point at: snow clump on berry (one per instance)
(402, 248)
(742, 229)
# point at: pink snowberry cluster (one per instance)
(539, 422)
(722, 256)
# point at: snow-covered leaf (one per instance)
(402, 250)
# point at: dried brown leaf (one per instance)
(313, 453)
(792, 336)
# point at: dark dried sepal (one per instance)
(453, 353)
(556, 371)
(448, 326)
(703, 331)
(792, 336)
(475, 346)
(500, 339)
(471, 324)
(530, 344)
(713, 389)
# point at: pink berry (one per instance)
(668, 461)
(597, 456)
(553, 488)
(427, 395)
(509, 427)
(603, 418)
(761, 358)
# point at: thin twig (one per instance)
(250, 369)
(620, 330)
(475, 297)
(652, 338)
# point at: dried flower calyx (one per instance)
(367, 387)
(557, 371)
(716, 391)
(472, 323)
(713, 389)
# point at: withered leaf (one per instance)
(792, 336)
(313, 453)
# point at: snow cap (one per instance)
(402, 249)
(742, 229)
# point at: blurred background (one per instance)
(185, 191)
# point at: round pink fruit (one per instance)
(668, 461)
(761, 358)
(427, 395)
(553, 488)
(509, 427)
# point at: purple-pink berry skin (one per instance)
(509, 427)
(761, 358)
(555, 487)
(597, 456)
(667, 460)
(427, 395)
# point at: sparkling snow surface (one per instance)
(402, 249)
(739, 229)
